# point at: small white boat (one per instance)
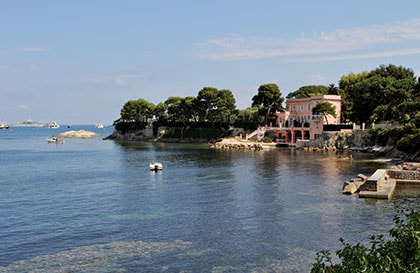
(55, 140)
(99, 125)
(52, 140)
(156, 166)
(4, 125)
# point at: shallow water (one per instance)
(93, 206)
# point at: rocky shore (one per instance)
(236, 143)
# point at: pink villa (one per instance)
(298, 123)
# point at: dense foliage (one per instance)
(399, 254)
(388, 94)
(268, 100)
(309, 91)
(385, 94)
(211, 105)
(325, 108)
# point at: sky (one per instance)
(79, 61)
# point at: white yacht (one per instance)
(52, 124)
(29, 123)
(4, 125)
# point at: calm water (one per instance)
(93, 206)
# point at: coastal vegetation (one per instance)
(399, 254)
(385, 99)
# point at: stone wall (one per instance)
(404, 175)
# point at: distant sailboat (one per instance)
(4, 125)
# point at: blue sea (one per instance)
(92, 205)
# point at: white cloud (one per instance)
(338, 41)
(370, 55)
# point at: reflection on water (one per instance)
(95, 207)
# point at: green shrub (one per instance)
(401, 254)
(409, 143)
(267, 139)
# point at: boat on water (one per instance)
(156, 166)
(29, 123)
(52, 124)
(99, 125)
(4, 125)
(55, 140)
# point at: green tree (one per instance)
(333, 90)
(226, 107)
(248, 115)
(325, 108)
(207, 102)
(160, 111)
(269, 100)
(374, 96)
(346, 87)
(308, 91)
(138, 110)
(215, 105)
(181, 109)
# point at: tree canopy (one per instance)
(378, 95)
(388, 93)
(309, 91)
(269, 100)
(325, 108)
(215, 105)
(137, 110)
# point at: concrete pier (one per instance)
(382, 183)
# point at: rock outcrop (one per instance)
(234, 143)
(77, 134)
(353, 186)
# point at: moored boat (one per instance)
(55, 140)
(52, 124)
(156, 166)
(29, 123)
(4, 125)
